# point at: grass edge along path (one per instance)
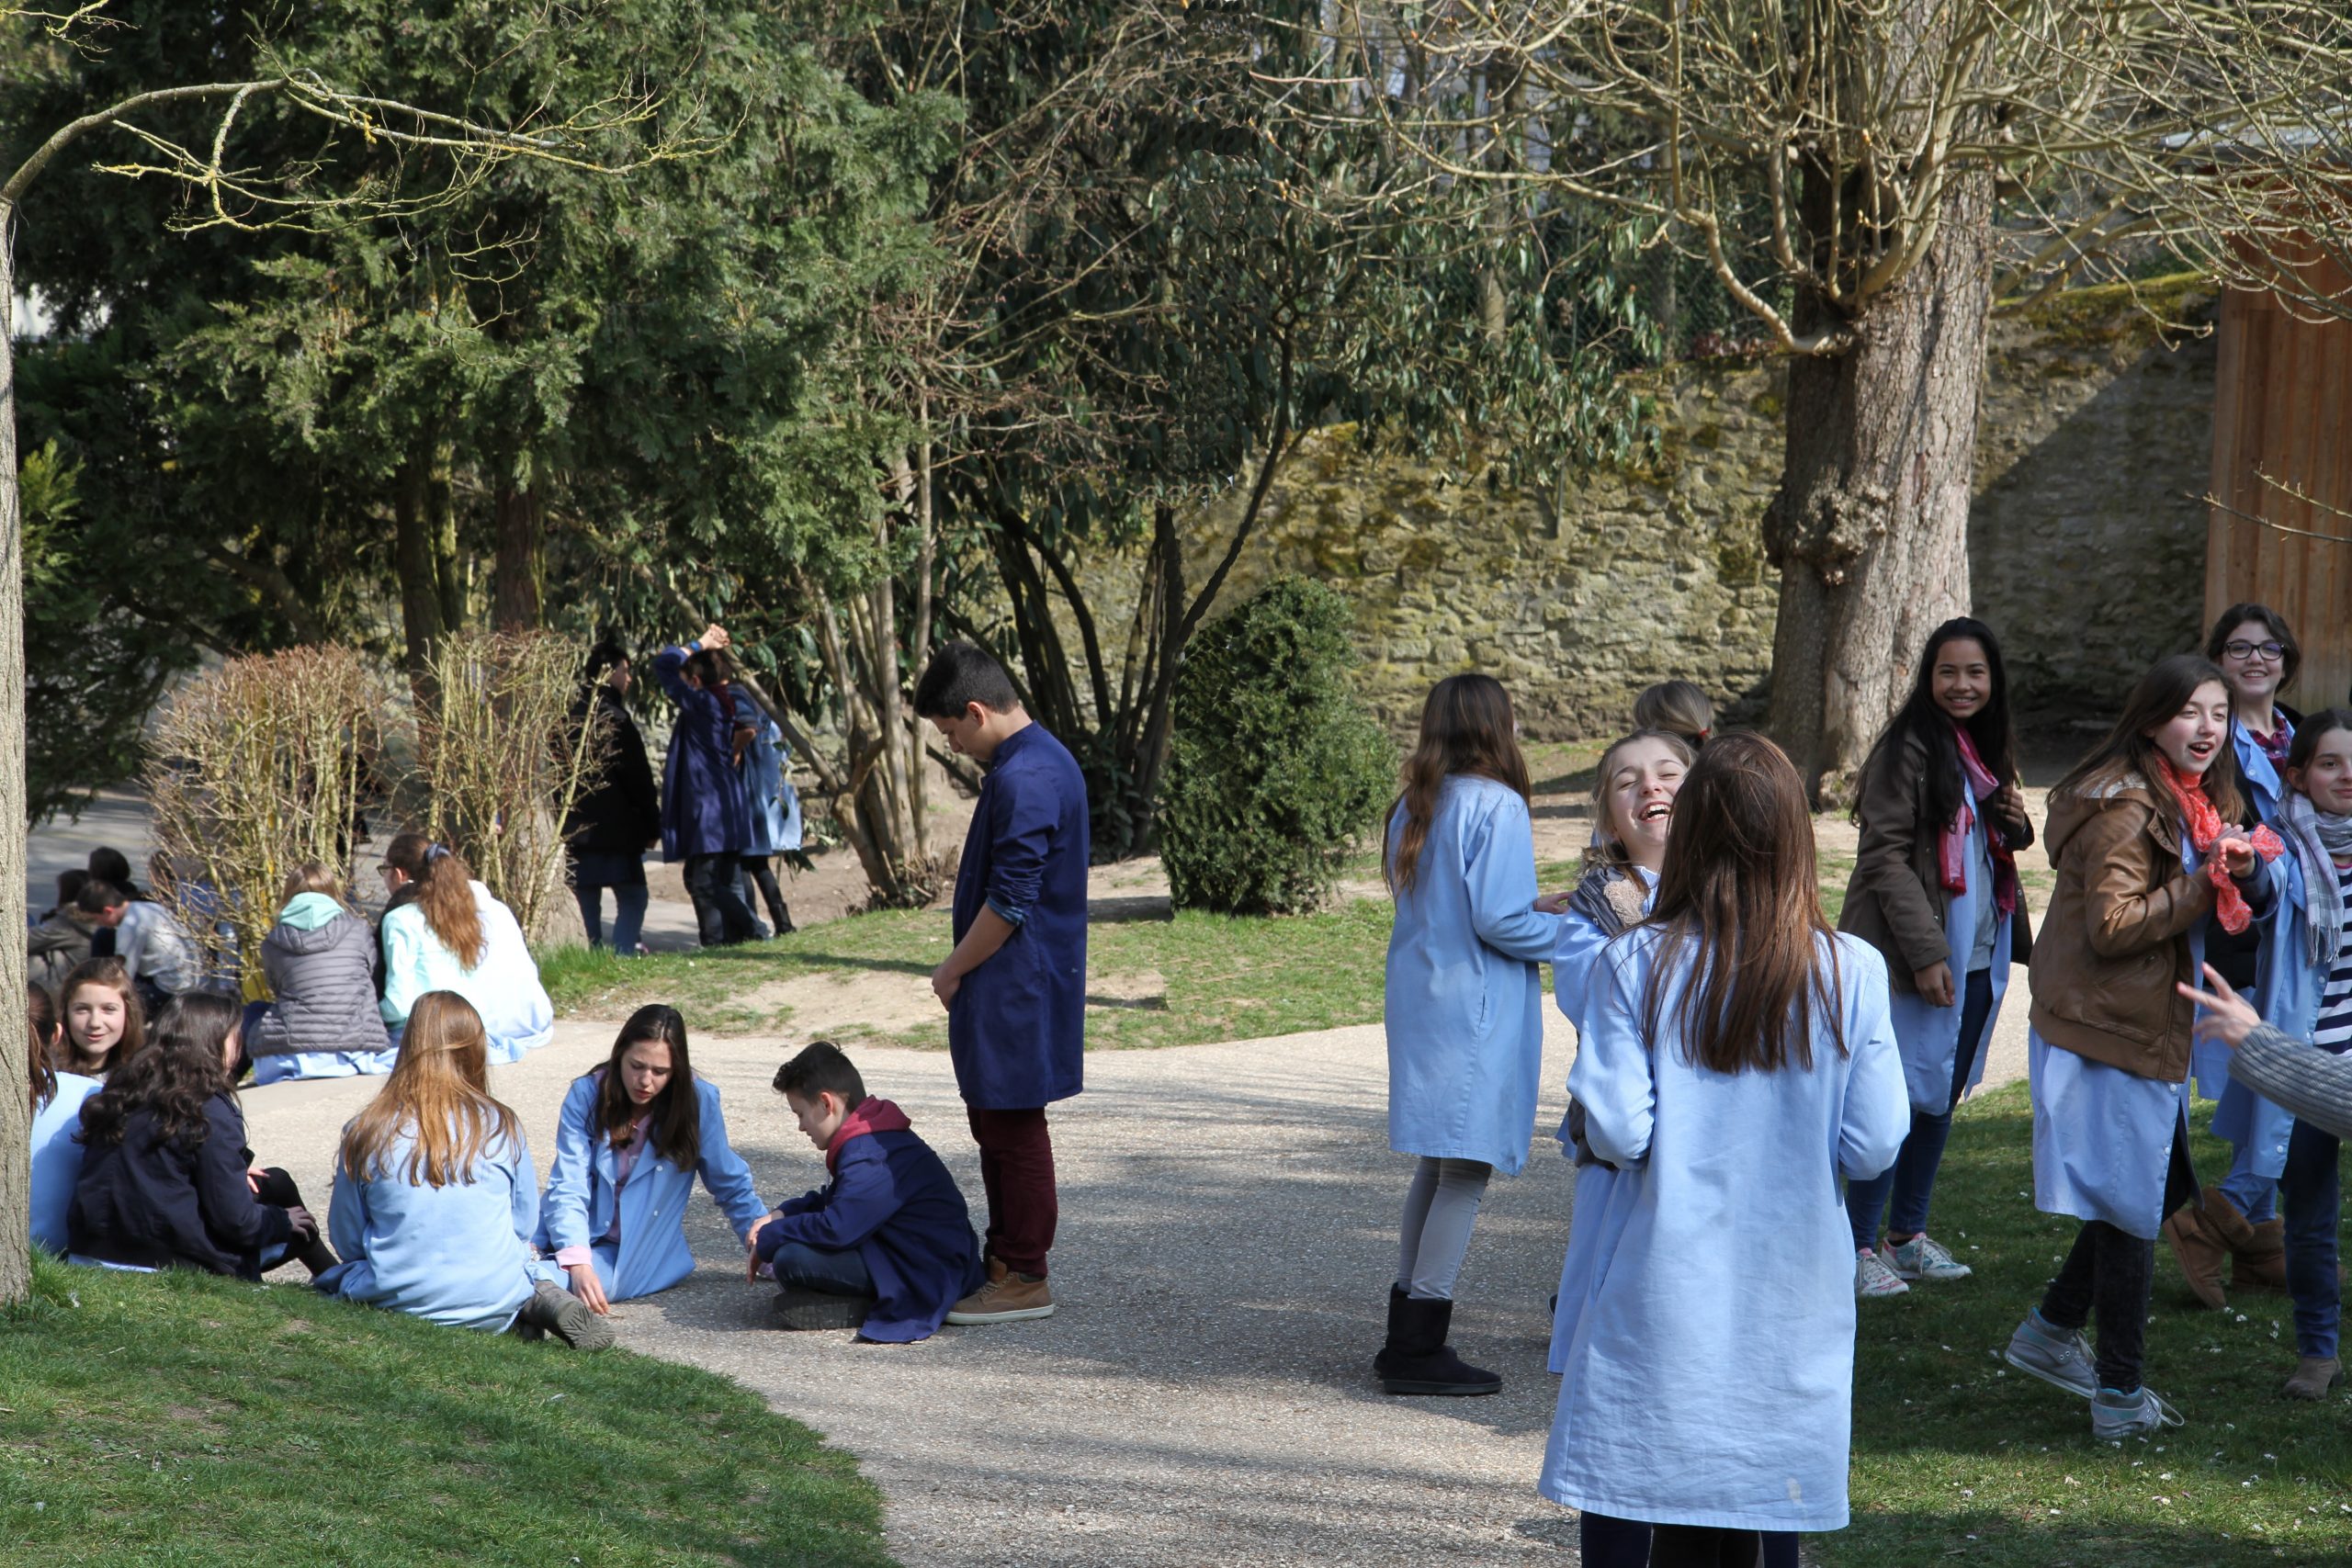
(179, 1419)
(1958, 1458)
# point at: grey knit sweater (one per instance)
(2298, 1075)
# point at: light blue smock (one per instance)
(1709, 1381)
(774, 804)
(1465, 996)
(56, 1158)
(504, 987)
(1589, 1235)
(1929, 1035)
(2287, 988)
(2255, 1126)
(653, 1255)
(459, 1255)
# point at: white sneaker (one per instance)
(1873, 1277)
(1922, 1258)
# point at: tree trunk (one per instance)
(16, 1114)
(1869, 527)
(517, 604)
(413, 559)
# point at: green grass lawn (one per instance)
(179, 1419)
(1958, 1459)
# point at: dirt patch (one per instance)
(854, 1003)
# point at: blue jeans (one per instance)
(2310, 1195)
(1912, 1180)
(593, 871)
(2254, 1195)
(799, 1266)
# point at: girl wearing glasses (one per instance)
(2237, 1223)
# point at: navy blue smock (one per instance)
(704, 808)
(1017, 1029)
(892, 1201)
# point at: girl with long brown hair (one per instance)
(104, 1022)
(2146, 836)
(57, 1100)
(166, 1180)
(1736, 1058)
(1464, 1009)
(435, 1197)
(442, 931)
(633, 1135)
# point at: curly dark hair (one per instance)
(172, 1079)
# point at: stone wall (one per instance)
(2087, 540)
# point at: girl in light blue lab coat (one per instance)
(634, 1134)
(2133, 829)
(1731, 1069)
(57, 1116)
(2306, 989)
(1934, 889)
(1633, 808)
(1464, 1008)
(452, 935)
(434, 1196)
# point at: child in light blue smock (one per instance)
(2306, 991)
(633, 1135)
(57, 1116)
(1464, 1009)
(454, 936)
(434, 1196)
(1732, 1075)
(2133, 830)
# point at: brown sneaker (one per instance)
(1006, 1298)
(2314, 1377)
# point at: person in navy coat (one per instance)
(1015, 986)
(885, 1247)
(706, 815)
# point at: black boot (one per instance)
(1417, 1358)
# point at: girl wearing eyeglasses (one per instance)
(2237, 1223)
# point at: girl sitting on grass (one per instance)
(58, 1099)
(1935, 890)
(633, 1135)
(435, 1197)
(106, 1023)
(167, 1181)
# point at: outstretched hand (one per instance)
(1554, 903)
(2227, 1017)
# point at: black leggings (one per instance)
(277, 1190)
(2111, 1274)
(1606, 1542)
(759, 873)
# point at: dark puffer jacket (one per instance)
(324, 981)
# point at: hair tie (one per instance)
(434, 852)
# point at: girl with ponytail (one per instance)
(445, 932)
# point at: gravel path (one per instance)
(1204, 1394)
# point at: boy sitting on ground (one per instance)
(886, 1246)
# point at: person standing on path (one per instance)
(1015, 986)
(1465, 1011)
(615, 821)
(706, 817)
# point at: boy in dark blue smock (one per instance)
(885, 1247)
(1015, 986)
(706, 815)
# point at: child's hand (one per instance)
(1933, 984)
(2237, 857)
(944, 985)
(752, 1237)
(589, 1289)
(1554, 903)
(2227, 1017)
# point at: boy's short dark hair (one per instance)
(707, 667)
(69, 884)
(607, 652)
(98, 896)
(111, 865)
(822, 1068)
(959, 675)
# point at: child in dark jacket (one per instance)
(886, 1246)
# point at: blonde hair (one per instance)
(1605, 848)
(310, 876)
(439, 1094)
(1679, 707)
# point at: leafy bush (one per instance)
(1277, 769)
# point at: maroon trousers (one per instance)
(1017, 1169)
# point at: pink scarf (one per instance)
(1951, 849)
(2206, 829)
(872, 1115)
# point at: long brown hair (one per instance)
(1739, 895)
(676, 1130)
(110, 972)
(2161, 694)
(41, 1017)
(440, 1095)
(444, 892)
(1466, 727)
(1605, 848)
(171, 1077)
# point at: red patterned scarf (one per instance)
(2207, 830)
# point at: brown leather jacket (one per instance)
(2116, 938)
(1896, 899)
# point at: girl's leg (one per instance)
(277, 1189)
(2066, 1304)
(1696, 1546)
(779, 914)
(2124, 1278)
(1419, 1195)
(629, 918)
(1923, 1151)
(590, 896)
(2310, 1195)
(1446, 1231)
(1606, 1542)
(1866, 1204)
(1780, 1548)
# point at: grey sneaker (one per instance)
(2053, 1355)
(1923, 1258)
(2115, 1417)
